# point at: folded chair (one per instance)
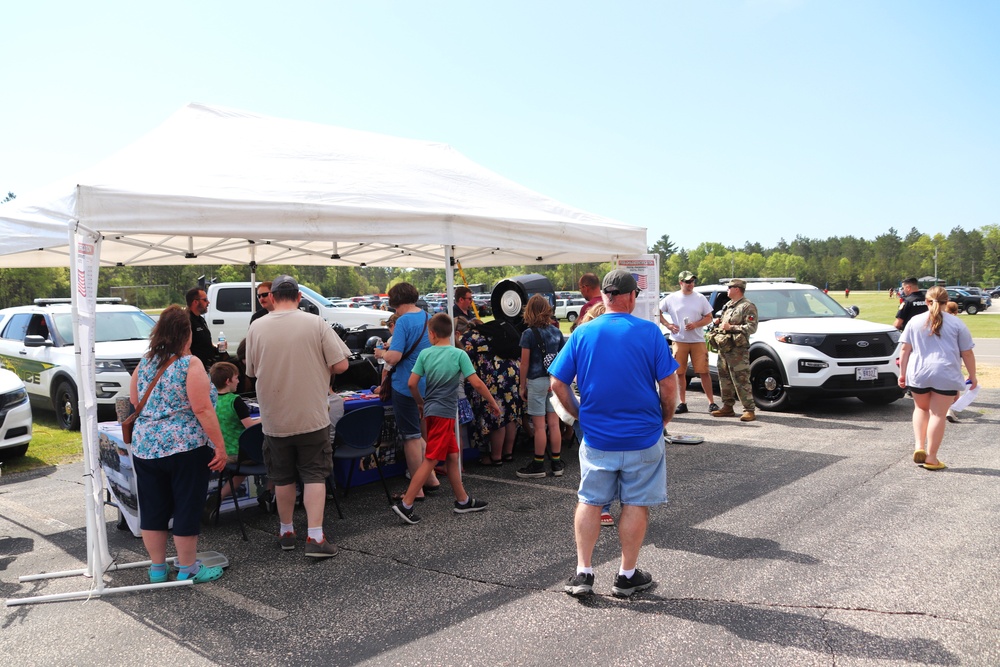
(251, 463)
(359, 435)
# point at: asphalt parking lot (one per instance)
(800, 539)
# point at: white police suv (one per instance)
(15, 416)
(36, 344)
(809, 346)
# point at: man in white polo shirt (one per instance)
(688, 313)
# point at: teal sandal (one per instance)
(204, 574)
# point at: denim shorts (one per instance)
(636, 477)
(538, 397)
(407, 416)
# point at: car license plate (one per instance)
(865, 373)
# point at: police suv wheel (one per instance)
(765, 384)
(66, 405)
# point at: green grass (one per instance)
(50, 446)
(878, 307)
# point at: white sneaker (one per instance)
(952, 417)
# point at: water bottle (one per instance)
(381, 360)
(223, 345)
(687, 321)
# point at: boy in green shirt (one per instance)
(233, 413)
(444, 366)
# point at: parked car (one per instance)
(36, 343)
(809, 346)
(15, 416)
(967, 303)
(569, 309)
(483, 304)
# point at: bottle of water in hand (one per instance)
(223, 345)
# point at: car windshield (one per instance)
(115, 326)
(316, 297)
(780, 304)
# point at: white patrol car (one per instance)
(15, 416)
(809, 346)
(36, 344)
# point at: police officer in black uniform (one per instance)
(913, 303)
(202, 345)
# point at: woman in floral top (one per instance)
(172, 447)
(501, 377)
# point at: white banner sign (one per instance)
(646, 271)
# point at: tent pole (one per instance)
(449, 288)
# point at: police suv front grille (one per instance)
(130, 364)
(857, 346)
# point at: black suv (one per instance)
(967, 303)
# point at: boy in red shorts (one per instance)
(443, 366)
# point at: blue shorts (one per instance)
(173, 486)
(404, 408)
(637, 477)
(538, 397)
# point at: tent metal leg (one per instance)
(85, 595)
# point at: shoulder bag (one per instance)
(385, 390)
(547, 357)
(129, 422)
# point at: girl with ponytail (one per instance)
(935, 344)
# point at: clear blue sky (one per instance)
(714, 120)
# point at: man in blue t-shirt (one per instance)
(628, 392)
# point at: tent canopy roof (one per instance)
(220, 186)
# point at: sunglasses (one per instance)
(261, 295)
(688, 282)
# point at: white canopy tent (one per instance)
(219, 186)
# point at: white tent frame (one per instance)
(101, 217)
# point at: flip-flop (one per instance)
(933, 466)
(432, 489)
(507, 458)
(919, 456)
(490, 463)
(399, 496)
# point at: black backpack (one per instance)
(504, 338)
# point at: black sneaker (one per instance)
(557, 468)
(639, 581)
(406, 515)
(580, 584)
(532, 470)
(470, 505)
(712, 407)
(681, 408)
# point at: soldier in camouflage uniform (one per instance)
(732, 338)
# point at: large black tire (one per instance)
(10, 453)
(571, 317)
(972, 309)
(66, 405)
(765, 383)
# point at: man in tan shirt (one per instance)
(293, 354)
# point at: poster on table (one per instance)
(116, 462)
(646, 271)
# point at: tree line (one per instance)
(838, 262)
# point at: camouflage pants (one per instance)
(734, 377)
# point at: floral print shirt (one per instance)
(167, 425)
